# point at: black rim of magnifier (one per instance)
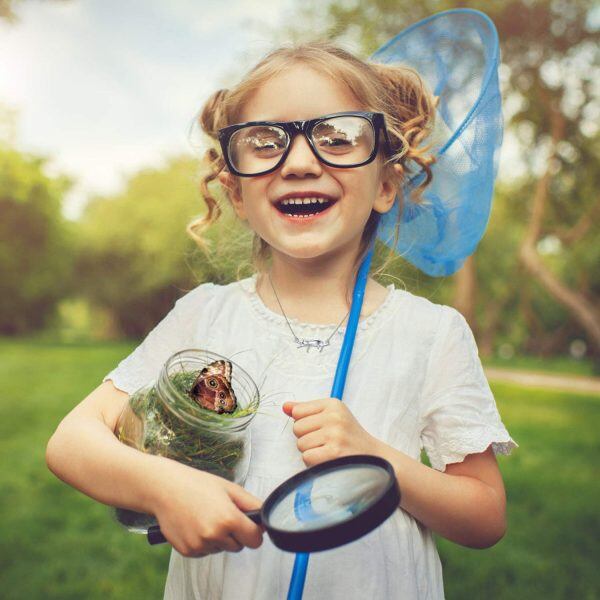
(332, 536)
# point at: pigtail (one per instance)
(409, 109)
(410, 118)
(211, 119)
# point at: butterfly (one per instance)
(212, 388)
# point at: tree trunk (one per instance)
(582, 311)
(554, 342)
(534, 325)
(492, 311)
(465, 292)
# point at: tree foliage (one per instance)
(35, 243)
(135, 257)
(8, 9)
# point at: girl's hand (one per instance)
(326, 429)
(200, 513)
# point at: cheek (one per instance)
(368, 179)
(365, 192)
(253, 191)
(254, 204)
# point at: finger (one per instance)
(246, 531)
(287, 408)
(311, 440)
(304, 409)
(243, 499)
(231, 544)
(206, 549)
(315, 456)
(307, 424)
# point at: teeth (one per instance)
(304, 201)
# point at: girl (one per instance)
(311, 184)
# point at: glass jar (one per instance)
(163, 418)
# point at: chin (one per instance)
(318, 250)
(303, 254)
(301, 251)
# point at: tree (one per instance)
(135, 257)
(8, 12)
(35, 243)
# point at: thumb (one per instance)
(244, 500)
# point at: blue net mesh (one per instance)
(457, 54)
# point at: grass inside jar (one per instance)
(165, 434)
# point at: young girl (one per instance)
(312, 188)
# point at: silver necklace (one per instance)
(301, 342)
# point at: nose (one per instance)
(301, 161)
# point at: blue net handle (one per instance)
(337, 390)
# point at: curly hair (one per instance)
(396, 91)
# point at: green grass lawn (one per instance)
(57, 543)
(559, 365)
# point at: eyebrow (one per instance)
(284, 120)
(262, 118)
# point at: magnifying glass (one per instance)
(325, 506)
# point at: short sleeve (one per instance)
(174, 333)
(458, 411)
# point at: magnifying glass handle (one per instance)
(155, 535)
(254, 515)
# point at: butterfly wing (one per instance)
(212, 388)
(218, 367)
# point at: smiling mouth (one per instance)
(303, 207)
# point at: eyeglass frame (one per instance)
(305, 127)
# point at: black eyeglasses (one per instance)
(343, 140)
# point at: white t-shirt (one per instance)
(415, 381)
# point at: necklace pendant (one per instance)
(301, 342)
(319, 344)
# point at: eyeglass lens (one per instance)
(344, 141)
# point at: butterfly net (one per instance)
(457, 55)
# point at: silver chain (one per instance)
(301, 342)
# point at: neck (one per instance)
(311, 290)
(324, 279)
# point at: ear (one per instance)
(232, 187)
(386, 194)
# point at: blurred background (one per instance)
(99, 174)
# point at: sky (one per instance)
(105, 87)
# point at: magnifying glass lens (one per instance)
(329, 497)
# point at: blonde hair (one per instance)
(396, 91)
